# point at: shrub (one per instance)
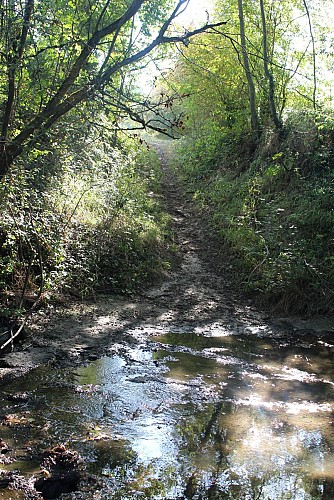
(275, 218)
(97, 227)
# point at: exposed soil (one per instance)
(197, 295)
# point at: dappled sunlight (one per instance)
(182, 404)
(213, 330)
(136, 363)
(302, 376)
(308, 406)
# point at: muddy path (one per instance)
(196, 295)
(183, 391)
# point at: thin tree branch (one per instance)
(313, 55)
(60, 104)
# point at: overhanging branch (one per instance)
(70, 94)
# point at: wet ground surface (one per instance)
(185, 391)
(184, 415)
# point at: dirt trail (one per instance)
(196, 296)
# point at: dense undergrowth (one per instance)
(82, 219)
(272, 208)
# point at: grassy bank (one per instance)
(93, 225)
(272, 208)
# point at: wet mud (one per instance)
(183, 391)
(178, 415)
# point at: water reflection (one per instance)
(191, 416)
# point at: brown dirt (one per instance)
(197, 295)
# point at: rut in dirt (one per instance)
(200, 289)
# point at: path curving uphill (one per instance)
(197, 295)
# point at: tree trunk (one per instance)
(313, 55)
(267, 72)
(13, 59)
(255, 123)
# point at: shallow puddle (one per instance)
(185, 416)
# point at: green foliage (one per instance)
(60, 57)
(276, 217)
(211, 78)
(118, 236)
(96, 227)
(270, 194)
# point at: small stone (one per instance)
(92, 357)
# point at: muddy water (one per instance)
(183, 415)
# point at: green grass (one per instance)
(276, 223)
